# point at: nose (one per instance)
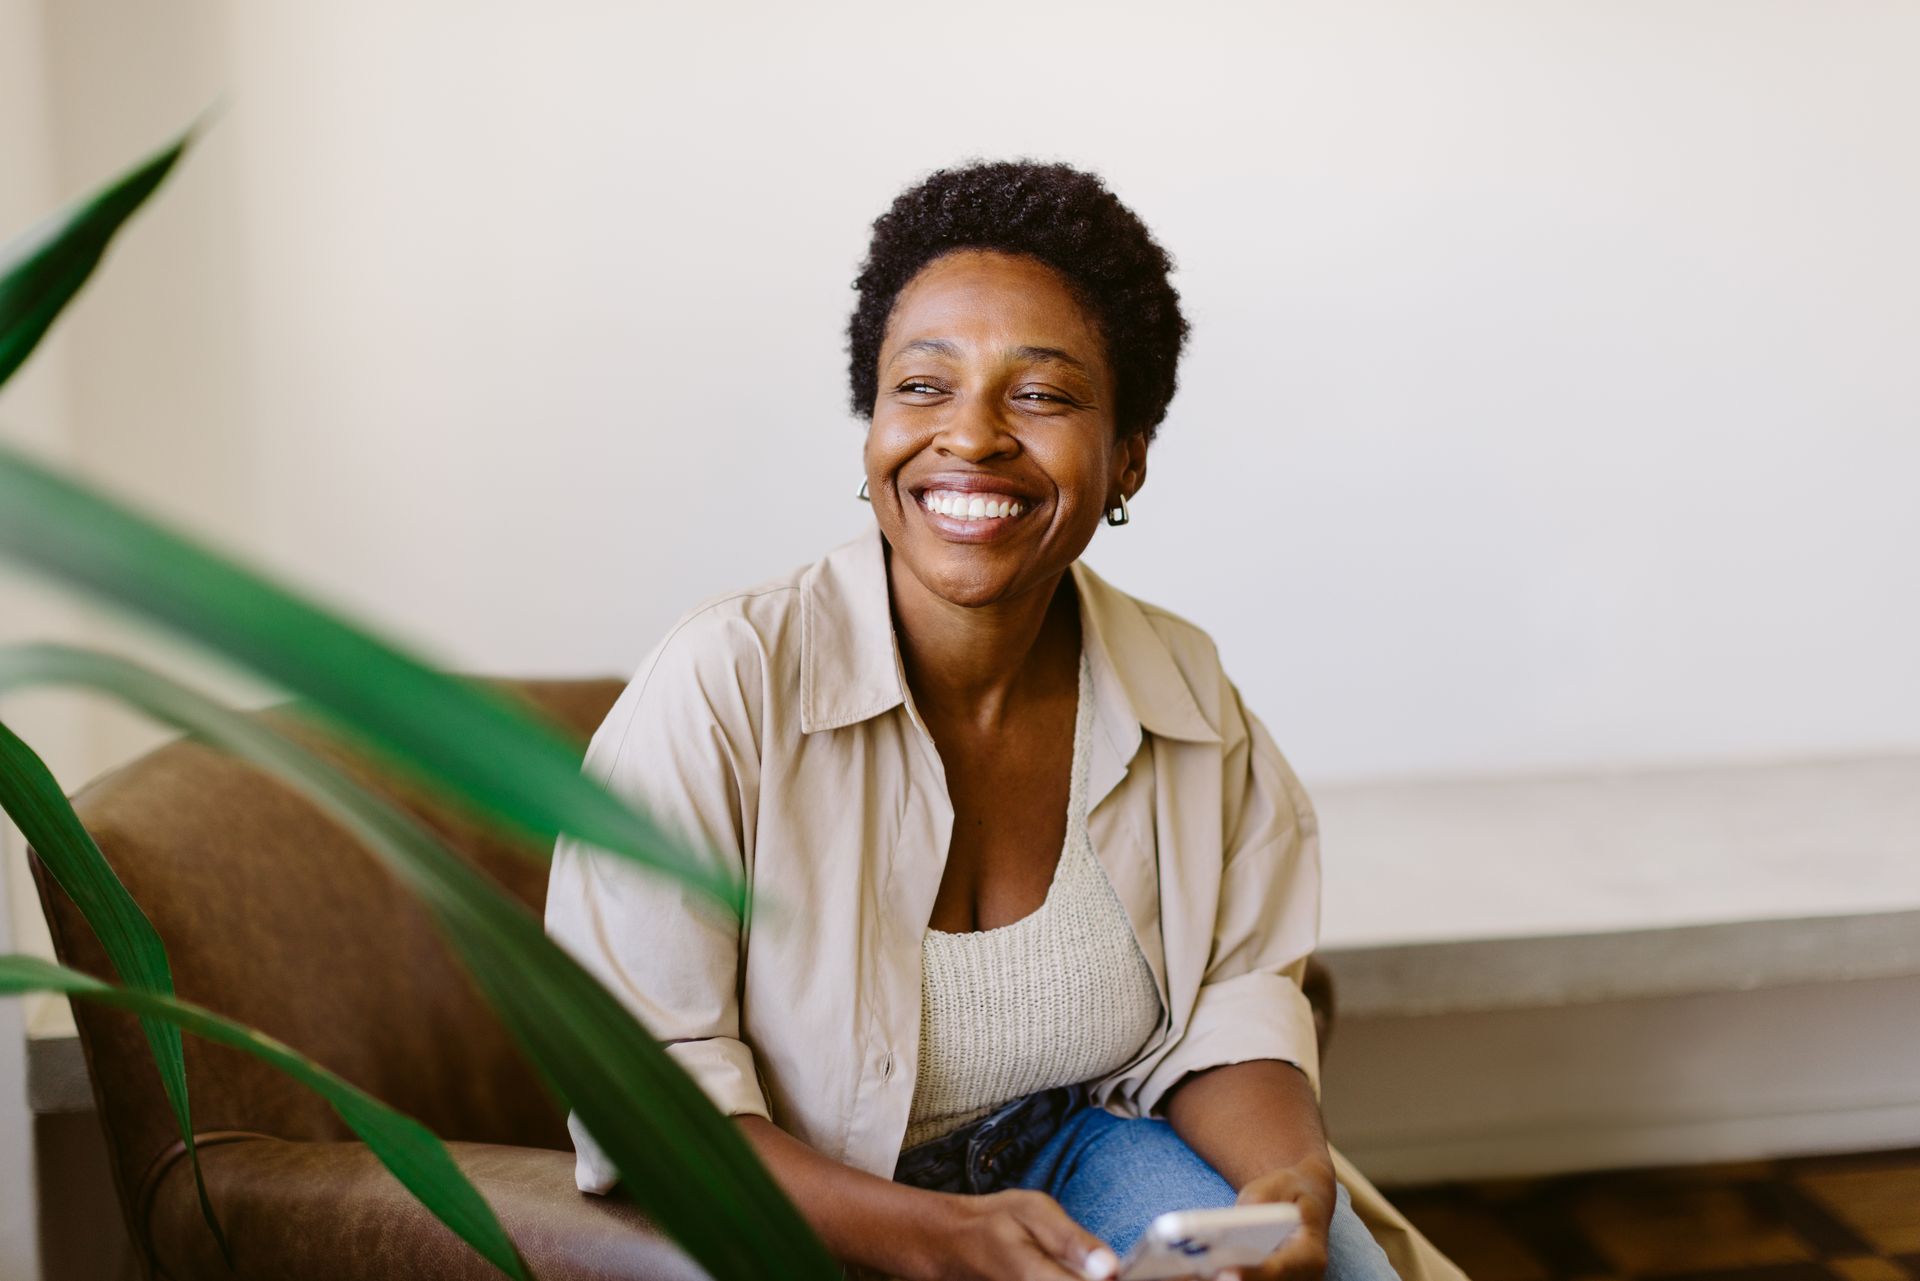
(974, 433)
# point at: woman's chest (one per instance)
(858, 835)
(1010, 798)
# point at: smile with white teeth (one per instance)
(968, 506)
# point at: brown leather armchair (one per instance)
(274, 915)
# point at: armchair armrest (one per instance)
(321, 1211)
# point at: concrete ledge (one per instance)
(1667, 1080)
(1575, 969)
(57, 1079)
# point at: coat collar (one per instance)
(850, 666)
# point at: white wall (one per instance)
(1550, 400)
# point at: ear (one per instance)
(1130, 465)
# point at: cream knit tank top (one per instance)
(1060, 996)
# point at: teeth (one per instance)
(972, 506)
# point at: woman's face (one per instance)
(991, 458)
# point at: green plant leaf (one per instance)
(44, 267)
(469, 743)
(684, 1163)
(406, 1147)
(32, 798)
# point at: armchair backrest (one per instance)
(274, 915)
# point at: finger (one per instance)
(1039, 1263)
(1022, 1256)
(1042, 1266)
(1314, 1204)
(1281, 1185)
(1302, 1258)
(1067, 1241)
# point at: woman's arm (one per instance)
(679, 743)
(1250, 1118)
(1264, 924)
(909, 1232)
(1257, 1120)
(1259, 1125)
(862, 1218)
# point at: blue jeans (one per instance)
(1112, 1174)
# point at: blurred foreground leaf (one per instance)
(44, 267)
(684, 1163)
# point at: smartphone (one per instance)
(1199, 1243)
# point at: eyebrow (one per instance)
(1053, 355)
(938, 346)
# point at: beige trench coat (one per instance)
(773, 727)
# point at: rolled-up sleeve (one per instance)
(1250, 1004)
(681, 742)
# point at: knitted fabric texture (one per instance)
(1060, 996)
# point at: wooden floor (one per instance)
(1837, 1218)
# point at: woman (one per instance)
(1046, 888)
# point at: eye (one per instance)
(1036, 396)
(919, 388)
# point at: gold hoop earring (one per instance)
(1118, 515)
(862, 495)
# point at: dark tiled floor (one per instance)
(1833, 1218)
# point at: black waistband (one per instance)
(988, 1154)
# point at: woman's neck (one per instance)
(979, 663)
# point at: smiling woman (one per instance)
(1048, 887)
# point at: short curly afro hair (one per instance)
(1061, 216)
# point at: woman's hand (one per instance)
(1258, 1123)
(1018, 1236)
(1309, 1185)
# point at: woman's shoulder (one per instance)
(771, 613)
(1191, 645)
(723, 660)
(1170, 664)
(1187, 641)
(738, 625)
